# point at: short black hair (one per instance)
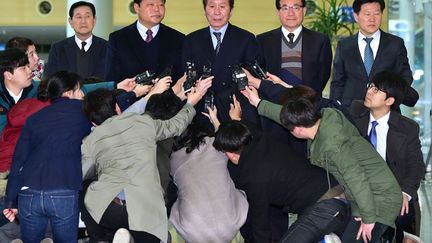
(99, 105)
(394, 85)
(58, 83)
(231, 3)
(21, 43)
(139, 1)
(163, 106)
(358, 3)
(300, 111)
(232, 136)
(10, 59)
(278, 6)
(81, 4)
(300, 91)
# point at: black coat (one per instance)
(128, 54)
(316, 56)
(238, 46)
(63, 56)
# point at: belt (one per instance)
(336, 191)
(119, 201)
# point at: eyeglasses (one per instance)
(371, 86)
(295, 8)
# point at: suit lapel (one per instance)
(395, 139)
(383, 45)
(363, 123)
(94, 58)
(353, 45)
(70, 50)
(135, 37)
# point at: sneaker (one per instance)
(410, 238)
(47, 240)
(331, 238)
(122, 236)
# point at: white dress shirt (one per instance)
(381, 130)
(296, 33)
(374, 43)
(88, 42)
(143, 30)
(213, 37)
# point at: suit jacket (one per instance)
(349, 74)
(238, 46)
(127, 57)
(62, 56)
(403, 155)
(316, 56)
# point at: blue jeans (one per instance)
(60, 207)
(320, 219)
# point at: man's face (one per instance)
(376, 99)
(150, 12)
(20, 78)
(218, 13)
(82, 21)
(369, 18)
(33, 57)
(291, 14)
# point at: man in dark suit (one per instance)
(396, 138)
(295, 50)
(83, 53)
(358, 58)
(147, 44)
(221, 45)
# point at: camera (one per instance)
(191, 76)
(208, 101)
(256, 70)
(239, 77)
(206, 71)
(145, 78)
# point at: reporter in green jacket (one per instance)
(336, 145)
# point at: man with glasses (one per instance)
(358, 58)
(294, 53)
(396, 139)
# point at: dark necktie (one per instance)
(82, 46)
(149, 37)
(373, 134)
(368, 55)
(291, 38)
(218, 44)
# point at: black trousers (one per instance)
(114, 218)
(320, 219)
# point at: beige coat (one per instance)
(121, 152)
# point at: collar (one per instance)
(383, 120)
(221, 30)
(296, 32)
(375, 36)
(15, 97)
(143, 30)
(89, 41)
